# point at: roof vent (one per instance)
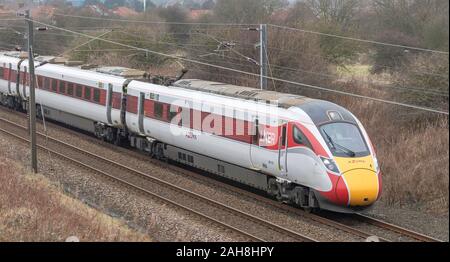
(121, 71)
(184, 83)
(89, 66)
(249, 93)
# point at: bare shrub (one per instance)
(427, 72)
(415, 166)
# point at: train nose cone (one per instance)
(362, 186)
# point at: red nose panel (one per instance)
(339, 193)
(342, 192)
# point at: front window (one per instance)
(300, 138)
(344, 140)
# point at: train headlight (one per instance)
(330, 165)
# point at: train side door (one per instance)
(9, 78)
(109, 102)
(254, 144)
(282, 149)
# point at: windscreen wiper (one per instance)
(343, 148)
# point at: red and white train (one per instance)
(310, 152)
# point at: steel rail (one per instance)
(395, 228)
(283, 207)
(290, 233)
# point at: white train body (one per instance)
(276, 142)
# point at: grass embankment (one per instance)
(33, 209)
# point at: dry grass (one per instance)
(32, 209)
(415, 166)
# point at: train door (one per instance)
(19, 74)
(302, 161)
(282, 149)
(109, 101)
(254, 145)
(9, 78)
(24, 78)
(141, 112)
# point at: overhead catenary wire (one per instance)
(151, 22)
(106, 50)
(246, 44)
(246, 58)
(11, 19)
(268, 63)
(418, 73)
(395, 88)
(85, 43)
(253, 74)
(392, 87)
(399, 88)
(272, 25)
(359, 40)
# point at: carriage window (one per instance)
(54, 85)
(79, 91)
(1, 72)
(87, 93)
(13, 76)
(171, 113)
(255, 132)
(300, 138)
(283, 136)
(70, 89)
(24, 77)
(40, 82)
(96, 95)
(159, 109)
(46, 83)
(62, 87)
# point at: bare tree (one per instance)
(341, 12)
(247, 11)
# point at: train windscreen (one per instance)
(344, 140)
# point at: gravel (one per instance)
(432, 224)
(163, 221)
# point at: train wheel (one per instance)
(274, 189)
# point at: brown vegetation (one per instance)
(32, 209)
(415, 166)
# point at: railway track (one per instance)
(403, 232)
(245, 224)
(395, 228)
